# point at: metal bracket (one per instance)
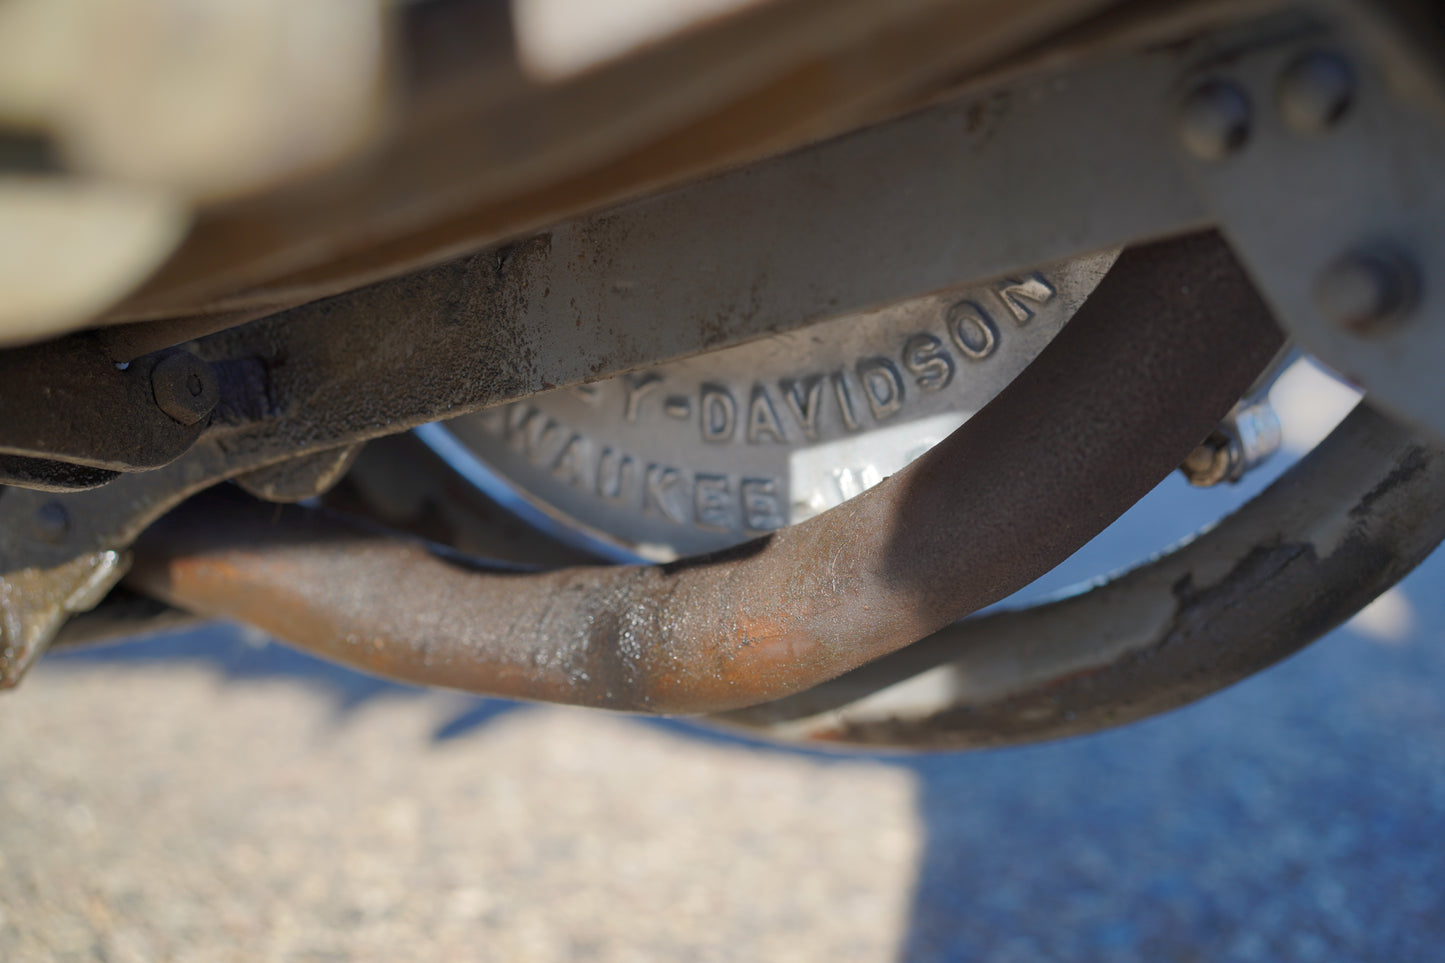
(67, 401)
(34, 604)
(1326, 178)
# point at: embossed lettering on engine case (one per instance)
(703, 453)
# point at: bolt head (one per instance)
(1368, 292)
(1315, 92)
(1215, 120)
(185, 387)
(1212, 462)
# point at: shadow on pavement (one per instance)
(237, 657)
(1294, 817)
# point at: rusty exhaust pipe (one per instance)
(1331, 534)
(1168, 342)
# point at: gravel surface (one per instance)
(176, 812)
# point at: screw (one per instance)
(185, 387)
(1248, 436)
(1367, 292)
(1212, 462)
(51, 523)
(1214, 120)
(1315, 92)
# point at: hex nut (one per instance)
(185, 387)
(1212, 462)
(1315, 92)
(1215, 120)
(1368, 292)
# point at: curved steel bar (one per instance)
(1336, 530)
(1167, 343)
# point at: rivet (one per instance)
(1214, 120)
(185, 387)
(1366, 292)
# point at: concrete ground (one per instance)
(211, 796)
